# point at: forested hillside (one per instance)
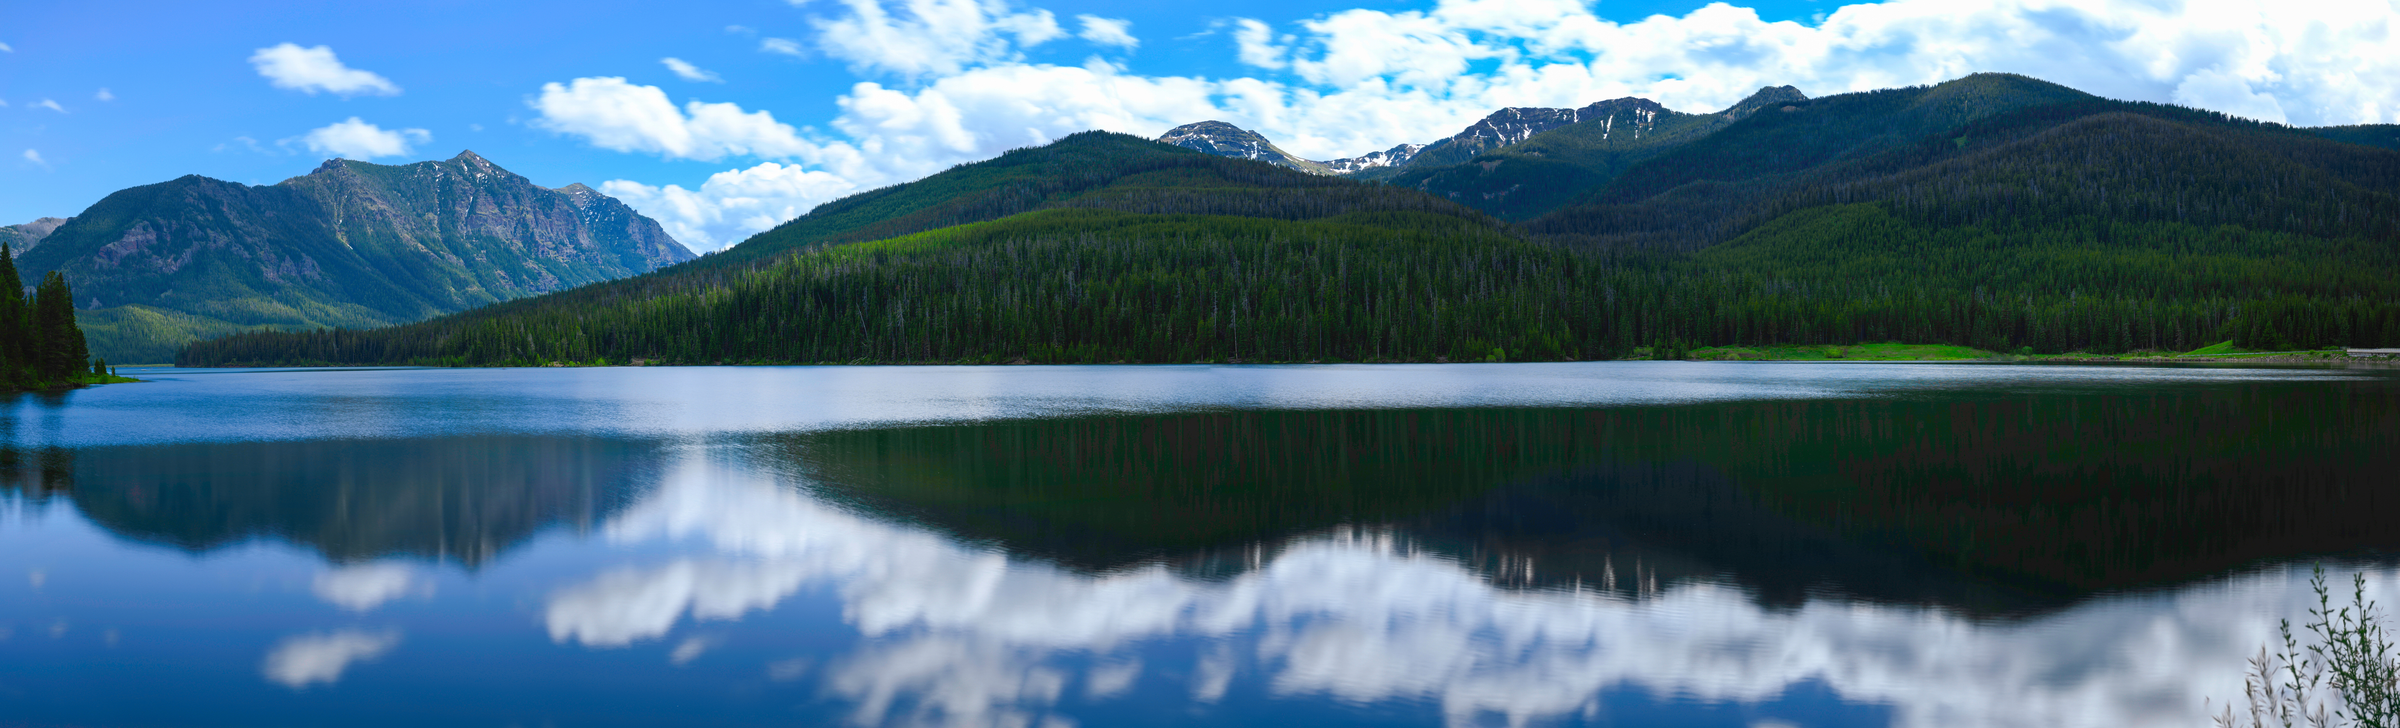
(1995, 212)
(1986, 149)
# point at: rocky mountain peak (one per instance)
(1392, 157)
(1511, 125)
(22, 237)
(1629, 103)
(1767, 97)
(1226, 140)
(471, 159)
(582, 195)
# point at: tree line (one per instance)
(1088, 285)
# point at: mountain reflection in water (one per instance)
(2077, 556)
(461, 499)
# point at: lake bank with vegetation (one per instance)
(41, 347)
(2222, 352)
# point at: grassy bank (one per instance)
(2223, 351)
(1855, 352)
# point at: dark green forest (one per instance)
(1996, 212)
(40, 345)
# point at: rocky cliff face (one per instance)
(350, 244)
(22, 237)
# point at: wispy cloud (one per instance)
(689, 72)
(783, 46)
(36, 158)
(355, 139)
(363, 587)
(311, 70)
(1108, 31)
(104, 95)
(245, 142)
(51, 105)
(321, 658)
(925, 37)
(5, 49)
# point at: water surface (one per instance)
(1738, 544)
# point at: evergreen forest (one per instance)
(1994, 212)
(40, 345)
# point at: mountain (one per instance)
(1547, 166)
(463, 499)
(1993, 211)
(1517, 162)
(1990, 149)
(22, 237)
(350, 244)
(1227, 140)
(1502, 128)
(1389, 158)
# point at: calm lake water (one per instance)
(1621, 544)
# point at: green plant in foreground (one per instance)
(2347, 677)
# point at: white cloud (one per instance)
(311, 70)
(1254, 43)
(921, 37)
(690, 650)
(356, 139)
(1108, 31)
(613, 114)
(36, 158)
(732, 204)
(303, 660)
(104, 95)
(781, 46)
(689, 72)
(363, 587)
(4, 48)
(2229, 93)
(51, 105)
(740, 30)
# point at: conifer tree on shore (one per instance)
(40, 344)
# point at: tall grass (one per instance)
(2346, 677)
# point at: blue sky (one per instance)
(770, 107)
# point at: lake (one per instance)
(1759, 545)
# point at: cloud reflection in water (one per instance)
(304, 660)
(363, 587)
(963, 636)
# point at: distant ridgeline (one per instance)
(349, 244)
(40, 345)
(1994, 211)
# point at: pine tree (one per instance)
(58, 344)
(12, 313)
